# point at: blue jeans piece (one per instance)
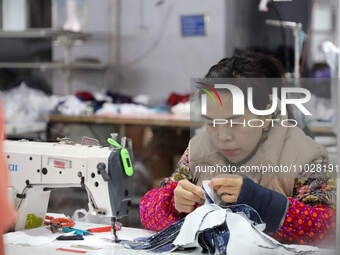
(157, 240)
(213, 241)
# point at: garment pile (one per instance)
(232, 230)
(37, 105)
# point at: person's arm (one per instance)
(311, 216)
(305, 218)
(271, 205)
(306, 224)
(288, 219)
(157, 207)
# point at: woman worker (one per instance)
(298, 209)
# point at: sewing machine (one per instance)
(36, 168)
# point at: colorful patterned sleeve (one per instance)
(157, 207)
(311, 214)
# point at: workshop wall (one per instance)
(154, 58)
(97, 47)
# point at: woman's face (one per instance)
(236, 141)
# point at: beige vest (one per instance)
(283, 147)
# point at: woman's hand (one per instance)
(186, 196)
(228, 188)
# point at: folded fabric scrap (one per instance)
(232, 230)
(110, 108)
(32, 237)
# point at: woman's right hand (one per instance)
(186, 196)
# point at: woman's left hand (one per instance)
(227, 187)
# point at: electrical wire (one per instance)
(155, 44)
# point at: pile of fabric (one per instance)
(105, 103)
(180, 104)
(232, 230)
(23, 106)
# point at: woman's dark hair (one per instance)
(250, 65)
(247, 65)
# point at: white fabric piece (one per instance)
(72, 106)
(244, 238)
(135, 109)
(142, 99)
(212, 194)
(32, 237)
(101, 96)
(331, 53)
(110, 108)
(181, 108)
(192, 223)
(213, 219)
(24, 106)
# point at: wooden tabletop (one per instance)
(161, 120)
(168, 120)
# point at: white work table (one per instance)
(97, 240)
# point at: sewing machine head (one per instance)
(36, 168)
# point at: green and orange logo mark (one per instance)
(208, 89)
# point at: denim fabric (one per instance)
(157, 240)
(213, 240)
